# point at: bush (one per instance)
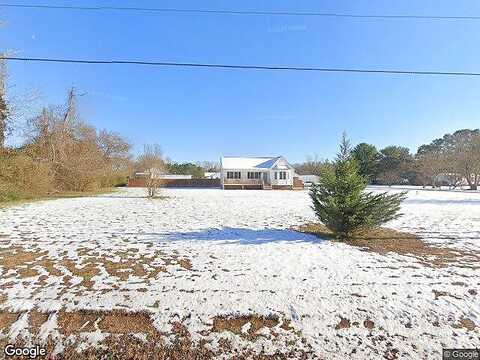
(22, 177)
(342, 205)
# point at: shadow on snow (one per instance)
(230, 235)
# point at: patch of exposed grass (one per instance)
(30, 262)
(20, 260)
(235, 323)
(141, 267)
(12, 199)
(14, 257)
(3, 298)
(185, 263)
(86, 270)
(15, 200)
(49, 265)
(122, 343)
(127, 347)
(124, 268)
(7, 319)
(35, 320)
(80, 194)
(77, 321)
(112, 322)
(369, 324)
(159, 197)
(465, 323)
(343, 324)
(286, 325)
(384, 241)
(121, 322)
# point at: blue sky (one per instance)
(200, 114)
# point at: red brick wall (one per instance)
(297, 183)
(282, 187)
(136, 182)
(242, 187)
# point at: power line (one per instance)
(242, 67)
(239, 12)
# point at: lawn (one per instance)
(203, 272)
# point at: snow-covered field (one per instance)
(202, 253)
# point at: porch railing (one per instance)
(243, 181)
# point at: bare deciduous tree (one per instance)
(151, 163)
(429, 166)
(151, 157)
(116, 156)
(209, 166)
(81, 159)
(312, 166)
(3, 105)
(460, 154)
(466, 156)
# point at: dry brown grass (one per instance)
(112, 322)
(465, 323)
(121, 322)
(343, 324)
(141, 267)
(49, 266)
(3, 298)
(286, 325)
(369, 324)
(128, 347)
(35, 320)
(21, 260)
(120, 343)
(16, 257)
(7, 319)
(29, 263)
(86, 270)
(185, 263)
(77, 321)
(234, 324)
(124, 268)
(384, 241)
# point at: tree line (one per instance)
(61, 153)
(452, 160)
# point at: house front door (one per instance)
(265, 178)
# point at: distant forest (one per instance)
(452, 160)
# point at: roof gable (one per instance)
(282, 164)
(239, 162)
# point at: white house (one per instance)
(256, 173)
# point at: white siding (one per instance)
(278, 181)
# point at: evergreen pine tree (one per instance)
(342, 205)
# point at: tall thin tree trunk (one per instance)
(3, 107)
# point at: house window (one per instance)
(233, 175)
(282, 175)
(253, 175)
(276, 175)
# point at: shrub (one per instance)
(342, 205)
(22, 177)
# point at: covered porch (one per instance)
(247, 180)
